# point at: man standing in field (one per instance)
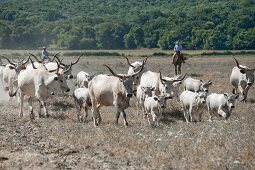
(45, 55)
(177, 52)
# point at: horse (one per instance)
(178, 59)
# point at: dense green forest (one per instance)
(127, 24)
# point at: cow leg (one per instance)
(209, 112)
(138, 107)
(21, 105)
(96, 116)
(43, 106)
(190, 114)
(32, 116)
(86, 111)
(222, 113)
(78, 113)
(200, 116)
(124, 118)
(242, 93)
(185, 113)
(150, 119)
(117, 116)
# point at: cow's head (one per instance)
(249, 73)
(148, 91)
(135, 67)
(201, 97)
(161, 100)
(17, 66)
(57, 81)
(67, 67)
(205, 86)
(166, 85)
(126, 80)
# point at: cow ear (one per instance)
(11, 67)
(242, 71)
(56, 78)
(225, 95)
(201, 81)
(210, 82)
(155, 98)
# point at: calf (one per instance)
(153, 108)
(195, 85)
(223, 104)
(82, 101)
(190, 102)
(141, 94)
(83, 79)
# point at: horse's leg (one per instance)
(175, 67)
(179, 68)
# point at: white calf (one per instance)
(83, 79)
(190, 102)
(223, 104)
(141, 94)
(153, 108)
(82, 101)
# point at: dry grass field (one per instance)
(61, 142)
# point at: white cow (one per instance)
(11, 72)
(115, 90)
(141, 94)
(38, 83)
(196, 85)
(153, 108)
(223, 104)
(242, 77)
(83, 79)
(163, 85)
(192, 102)
(176, 86)
(82, 101)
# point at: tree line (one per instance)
(122, 24)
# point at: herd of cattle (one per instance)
(39, 79)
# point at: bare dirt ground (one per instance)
(61, 142)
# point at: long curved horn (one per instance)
(54, 57)
(114, 74)
(128, 62)
(76, 60)
(160, 76)
(26, 60)
(59, 61)
(32, 63)
(8, 60)
(39, 61)
(181, 78)
(237, 63)
(141, 69)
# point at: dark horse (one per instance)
(178, 59)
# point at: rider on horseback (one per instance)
(177, 49)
